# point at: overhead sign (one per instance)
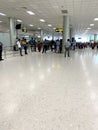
(59, 29)
(24, 30)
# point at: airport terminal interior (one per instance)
(48, 82)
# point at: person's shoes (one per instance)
(21, 55)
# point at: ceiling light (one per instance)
(42, 20)
(30, 12)
(91, 24)
(54, 28)
(0, 21)
(31, 25)
(49, 25)
(18, 20)
(2, 14)
(39, 28)
(88, 28)
(95, 19)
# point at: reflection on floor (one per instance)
(49, 92)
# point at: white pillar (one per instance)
(42, 35)
(66, 32)
(52, 34)
(12, 31)
(95, 37)
(71, 33)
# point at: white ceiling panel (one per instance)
(81, 12)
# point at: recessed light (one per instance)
(2, 14)
(95, 19)
(39, 28)
(49, 25)
(54, 28)
(0, 21)
(42, 20)
(30, 12)
(91, 24)
(18, 20)
(31, 25)
(88, 28)
(39, 36)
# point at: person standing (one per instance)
(67, 47)
(24, 43)
(60, 47)
(31, 44)
(19, 46)
(44, 46)
(39, 46)
(1, 49)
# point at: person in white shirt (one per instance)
(67, 47)
(19, 46)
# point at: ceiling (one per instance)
(81, 12)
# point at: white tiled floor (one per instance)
(49, 92)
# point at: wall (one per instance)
(5, 39)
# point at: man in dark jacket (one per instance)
(1, 48)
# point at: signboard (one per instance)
(59, 29)
(24, 30)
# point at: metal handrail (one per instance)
(8, 49)
(11, 49)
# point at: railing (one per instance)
(9, 51)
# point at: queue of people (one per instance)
(22, 44)
(54, 46)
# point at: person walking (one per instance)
(19, 46)
(1, 49)
(67, 48)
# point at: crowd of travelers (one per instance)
(55, 46)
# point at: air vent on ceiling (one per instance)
(24, 8)
(64, 11)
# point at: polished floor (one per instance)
(49, 92)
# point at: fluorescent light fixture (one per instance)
(31, 25)
(0, 21)
(2, 14)
(54, 28)
(39, 36)
(88, 28)
(95, 19)
(42, 20)
(18, 20)
(39, 28)
(91, 24)
(49, 25)
(30, 12)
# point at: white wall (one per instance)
(82, 38)
(5, 39)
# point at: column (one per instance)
(42, 35)
(52, 34)
(95, 37)
(71, 33)
(66, 32)
(12, 31)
